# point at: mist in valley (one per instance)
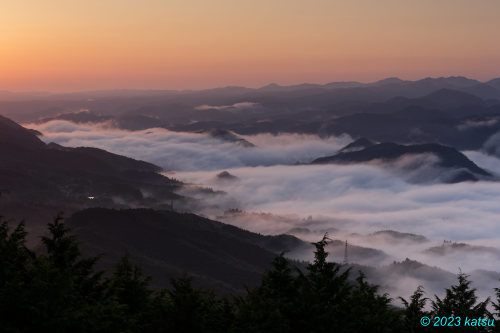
(386, 211)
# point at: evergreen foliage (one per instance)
(414, 309)
(59, 290)
(461, 300)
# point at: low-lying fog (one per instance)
(189, 151)
(270, 195)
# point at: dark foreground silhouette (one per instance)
(56, 289)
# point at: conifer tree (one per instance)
(496, 307)
(66, 294)
(370, 311)
(414, 310)
(461, 300)
(130, 289)
(274, 305)
(326, 291)
(195, 310)
(15, 277)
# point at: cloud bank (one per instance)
(351, 202)
(241, 106)
(190, 151)
(349, 198)
(492, 145)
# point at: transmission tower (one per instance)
(345, 254)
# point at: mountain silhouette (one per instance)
(45, 178)
(449, 159)
(357, 145)
(168, 244)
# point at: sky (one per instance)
(60, 45)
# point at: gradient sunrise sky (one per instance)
(63, 45)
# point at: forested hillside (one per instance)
(59, 290)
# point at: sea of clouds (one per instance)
(348, 201)
(180, 151)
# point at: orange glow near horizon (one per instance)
(59, 45)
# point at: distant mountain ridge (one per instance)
(448, 158)
(228, 136)
(430, 110)
(357, 145)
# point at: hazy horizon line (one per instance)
(255, 87)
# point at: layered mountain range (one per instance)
(454, 111)
(119, 204)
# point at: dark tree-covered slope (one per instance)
(168, 243)
(36, 177)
